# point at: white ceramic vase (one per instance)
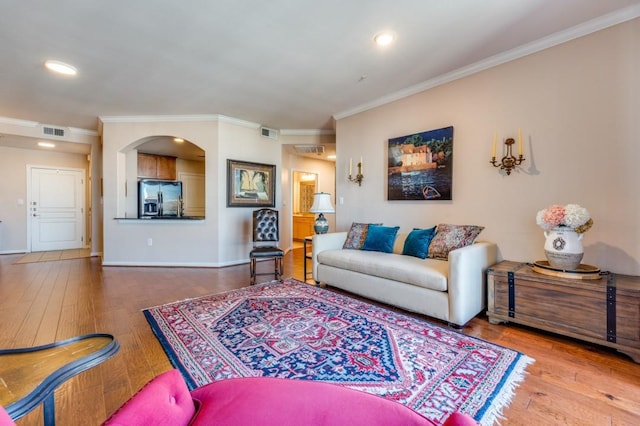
(563, 248)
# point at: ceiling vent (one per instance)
(53, 131)
(269, 133)
(309, 149)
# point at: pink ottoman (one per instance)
(263, 401)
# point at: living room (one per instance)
(574, 101)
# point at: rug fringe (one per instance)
(493, 415)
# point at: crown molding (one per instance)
(306, 132)
(26, 128)
(581, 30)
(238, 122)
(155, 118)
(18, 122)
(176, 118)
(80, 131)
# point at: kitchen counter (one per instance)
(158, 218)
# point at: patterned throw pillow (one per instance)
(417, 242)
(450, 237)
(356, 236)
(380, 238)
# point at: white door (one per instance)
(56, 209)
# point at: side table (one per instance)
(307, 246)
(30, 376)
(604, 311)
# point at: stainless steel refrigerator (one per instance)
(159, 198)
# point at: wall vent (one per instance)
(269, 133)
(309, 149)
(53, 131)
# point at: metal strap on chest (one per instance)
(511, 280)
(611, 308)
(511, 284)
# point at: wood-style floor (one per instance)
(571, 382)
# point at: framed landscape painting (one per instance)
(250, 184)
(420, 166)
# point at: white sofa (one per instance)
(452, 290)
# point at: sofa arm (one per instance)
(322, 242)
(165, 400)
(467, 280)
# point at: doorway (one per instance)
(56, 208)
(305, 184)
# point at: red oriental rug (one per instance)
(297, 331)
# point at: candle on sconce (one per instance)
(519, 142)
(350, 166)
(495, 141)
(361, 165)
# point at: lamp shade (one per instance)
(321, 203)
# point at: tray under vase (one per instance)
(583, 272)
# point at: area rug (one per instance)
(294, 330)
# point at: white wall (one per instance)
(224, 237)
(577, 105)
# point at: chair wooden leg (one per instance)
(252, 271)
(276, 271)
(280, 268)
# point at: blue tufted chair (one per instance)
(265, 242)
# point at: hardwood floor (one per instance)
(571, 382)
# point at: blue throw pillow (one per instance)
(380, 238)
(417, 242)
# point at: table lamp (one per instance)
(321, 205)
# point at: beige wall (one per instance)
(326, 178)
(13, 187)
(578, 105)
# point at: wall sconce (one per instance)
(358, 178)
(509, 161)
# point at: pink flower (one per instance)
(554, 215)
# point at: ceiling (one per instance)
(285, 64)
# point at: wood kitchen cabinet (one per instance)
(303, 226)
(156, 166)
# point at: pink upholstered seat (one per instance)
(166, 400)
(264, 401)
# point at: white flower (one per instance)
(541, 222)
(575, 215)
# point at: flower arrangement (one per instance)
(571, 216)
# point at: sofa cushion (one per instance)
(417, 242)
(450, 237)
(380, 238)
(356, 236)
(427, 273)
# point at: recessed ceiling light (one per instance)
(60, 67)
(46, 144)
(384, 38)
(178, 140)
